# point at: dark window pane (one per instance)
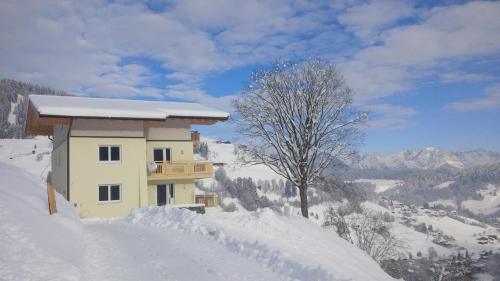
(115, 192)
(158, 155)
(115, 153)
(103, 193)
(171, 190)
(103, 153)
(167, 154)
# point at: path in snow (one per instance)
(117, 251)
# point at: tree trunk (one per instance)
(303, 200)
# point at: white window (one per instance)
(109, 193)
(109, 153)
(161, 154)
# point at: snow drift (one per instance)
(35, 245)
(292, 246)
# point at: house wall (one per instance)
(169, 130)
(107, 128)
(137, 144)
(60, 134)
(184, 191)
(179, 150)
(59, 160)
(87, 173)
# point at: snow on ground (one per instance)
(381, 185)
(224, 153)
(290, 246)
(11, 118)
(444, 184)
(32, 155)
(125, 251)
(464, 234)
(33, 244)
(445, 203)
(157, 243)
(488, 205)
(415, 241)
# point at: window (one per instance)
(161, 154)
(109, 153)
(109, 193)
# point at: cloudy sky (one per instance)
(429, 71)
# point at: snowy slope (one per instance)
(32, 155)
(381, 185)
(488, 205)
(465, 234)
(292, 246)
(33, 244)
(224, 153)
(157, 243)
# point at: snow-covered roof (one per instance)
(69, 106)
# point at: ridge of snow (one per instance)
(427, 158)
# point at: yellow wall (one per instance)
(179, 150)
(184, 191)
(86, 173)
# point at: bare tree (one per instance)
(368, 230)
(298, 119)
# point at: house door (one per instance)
(161, 194)
(165, 194)
(161, 154)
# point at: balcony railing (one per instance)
(180, 170)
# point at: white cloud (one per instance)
(489, 101)
(85, 46)
(460, 32)
(388, 116)
(194, 94)
(80, 46)
(368, 20)
(407, 55)
(461, 76)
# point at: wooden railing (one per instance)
(181, 170)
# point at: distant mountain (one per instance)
(14, 105)
(426, 159)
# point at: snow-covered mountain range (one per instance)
(427, 158)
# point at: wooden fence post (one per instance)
(52, 199)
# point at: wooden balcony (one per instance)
(181, 170)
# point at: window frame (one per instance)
(109, 161)
(164, 154)
(109, 185)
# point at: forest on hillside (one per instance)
(14, 105)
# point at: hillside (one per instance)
(14, 104)
(227, 154)
(157, 243)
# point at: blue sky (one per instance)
(428, 70)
